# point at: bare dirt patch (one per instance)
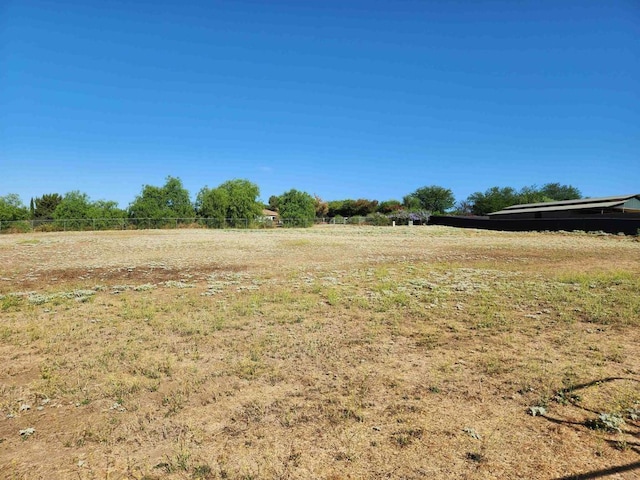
(335, 352)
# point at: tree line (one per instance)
(235, 202)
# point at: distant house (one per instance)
(269, 215)
(622, 206)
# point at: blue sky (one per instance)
(345, 99)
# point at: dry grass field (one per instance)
(327, 353)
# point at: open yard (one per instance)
(327, 353)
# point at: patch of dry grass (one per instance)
(338, 352)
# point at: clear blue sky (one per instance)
(345, 99)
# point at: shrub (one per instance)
(418, 217)
(47, 227)
(378, 219)
(355, 220)
(16, 227)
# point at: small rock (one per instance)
(377, 429)
(27, 432)
(24, 407)
(536, 411)
(118, 407)
(40, 408)
(471, 432)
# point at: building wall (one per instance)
(629, 225)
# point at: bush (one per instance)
(46, 227)
(16, 227)
(420, 217)
(378, 219)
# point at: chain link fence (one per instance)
(96, 224)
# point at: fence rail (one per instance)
(95, 224)
(92, 224)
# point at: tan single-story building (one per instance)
(269, 215)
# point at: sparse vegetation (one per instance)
(372, 352)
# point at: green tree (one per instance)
(492, 200)
(169, 201)
(335, 208)
(273, 202)
(234, 201)
(45, 205)
(389, 206)
(322, 207)
(351, 208)
(464, 208)
(409, 202)
(531, 195)
(177, 198)
(297, 208)
(74, 211)
(243, 206)
(434, 198)
(213, 204)
(497, 198)
(106, 214)
(348, 208)
(558, 192)
(149, 204)
(107, 209)
(364, 207)
(12, 208)
(77, 211)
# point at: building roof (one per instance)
(620, 202)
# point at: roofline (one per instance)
(581, 201)
(566, 208)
